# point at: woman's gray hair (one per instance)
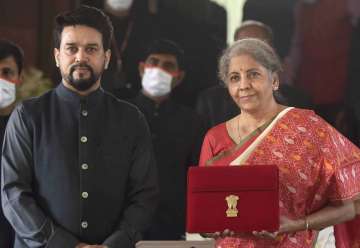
(260, 51)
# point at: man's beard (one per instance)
(82, 84)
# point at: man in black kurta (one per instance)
(177, 133)
(78, 167)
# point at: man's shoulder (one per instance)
(34, 103)
(186, 110)
(121, 105)
(218, 90)
(189, 116)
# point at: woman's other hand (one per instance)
(288, 225)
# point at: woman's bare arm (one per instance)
(327, 216)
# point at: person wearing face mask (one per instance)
(11, 64)
(134, 24)
(177, 133)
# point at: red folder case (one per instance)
(239, 198)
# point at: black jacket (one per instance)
(177, 133)
(77, 170)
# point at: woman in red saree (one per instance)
(319, 169)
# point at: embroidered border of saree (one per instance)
(239, 160)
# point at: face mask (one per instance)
(119, 5)
(7, 93)
(156, 82)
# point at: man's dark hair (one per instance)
(8, 49)
(163, 46)
(87, 16)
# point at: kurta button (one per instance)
(84, 166)
(84, 112)
(84, 195)
(84, 224)
(83, 139)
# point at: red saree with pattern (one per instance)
(317, 165)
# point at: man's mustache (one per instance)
(80, 66)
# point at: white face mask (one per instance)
(156, 82)
(7, 93)
(119, 5)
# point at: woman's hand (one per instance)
(217, 235)
(289, 226)
(286, 226)
(265, 234)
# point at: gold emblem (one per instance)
(232, 203)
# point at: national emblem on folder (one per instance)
(232, 203)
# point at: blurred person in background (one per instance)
(177, 132)
(199, 27)
(215, 104)
(319, 56)
(11, 66)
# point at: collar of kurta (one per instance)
(70, 96)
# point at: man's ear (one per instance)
(178, 79)
(107, 58)
(141, 68)
(21, 77)
(56, 56)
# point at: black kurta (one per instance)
(177, 133)
(77, 169)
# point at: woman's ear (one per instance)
(275, 81)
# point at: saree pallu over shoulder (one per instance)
(317, 165)
(304, 146)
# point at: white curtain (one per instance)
(234, 9)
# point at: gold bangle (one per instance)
(306, 224)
